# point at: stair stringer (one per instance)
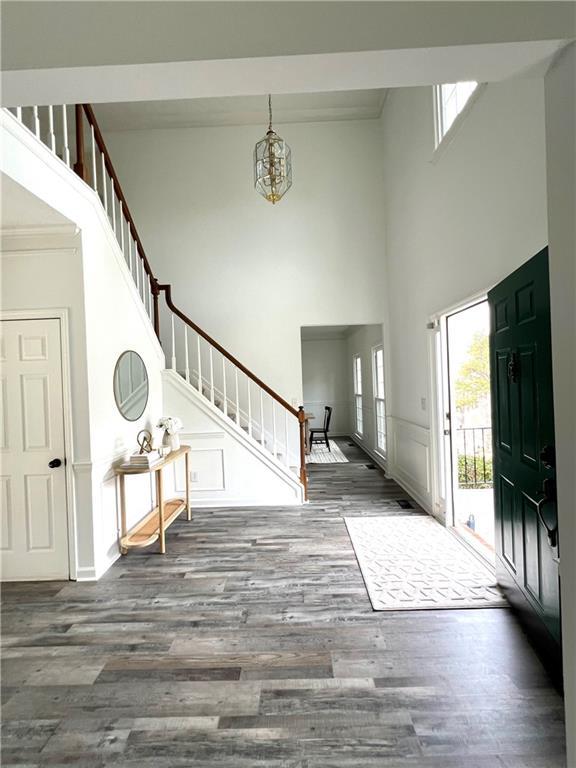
(249, 475)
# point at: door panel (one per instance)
(528, 406)
(34, 525)
(506, 510)
(503, 409)
(523, 434)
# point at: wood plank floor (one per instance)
(253, 643)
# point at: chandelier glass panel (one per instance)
(272, 164)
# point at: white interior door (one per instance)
(34, 520)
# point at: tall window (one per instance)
(379, 399)
(358, 393)
(450, 100)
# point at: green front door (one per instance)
(527, 543)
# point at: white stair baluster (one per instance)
(131, 245)
(65, 135)
(224, 398)
(173, 345)
(149, 300)
(286, 454)
(121, 229)
(187, 362)
(19, 113)
(249, 409)
(113, 199)
(51, 134)
(199, 364)
(274, 451)
(211, 375)
(36, 122)
(142, 288)
(94, 178)
(104, 185)
(137, 269)
(262, 417)
(237, 396)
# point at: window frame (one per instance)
(443, 136)
(358, 409)
(379, 393)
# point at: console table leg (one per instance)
(160, 501)
(122, 492)
(187, 468)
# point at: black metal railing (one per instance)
(474, 453)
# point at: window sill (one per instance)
(455, 127)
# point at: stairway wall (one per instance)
(249, 273)
(226, 468)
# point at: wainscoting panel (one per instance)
(409, 461)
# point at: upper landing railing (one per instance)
(72, 134)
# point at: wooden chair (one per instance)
(322, 431)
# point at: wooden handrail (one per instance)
(117, 188)
(156, 288)
(167, 290)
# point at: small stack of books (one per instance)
(143, 460)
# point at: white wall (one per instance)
(228, 468)
(560, 93)
(457, 221)
(325, 381)
(87, 275)
(361, 341)
(251, 274)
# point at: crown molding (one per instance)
(42, 230)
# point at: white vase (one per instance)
(174, 441)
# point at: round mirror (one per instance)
(130, 385)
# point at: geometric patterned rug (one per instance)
(321, 455)
(412, 563)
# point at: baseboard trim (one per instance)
(86, 574)
(411, 490)
(376, 457)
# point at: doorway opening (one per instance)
(469, 427)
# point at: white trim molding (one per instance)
(409, 459)
(61, 314)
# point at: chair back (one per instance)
(327, 417)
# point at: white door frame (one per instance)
(438, 382)
(60, 314)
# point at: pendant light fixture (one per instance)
(272, 164)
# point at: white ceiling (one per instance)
(240, 110)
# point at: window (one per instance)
(379, 399)
(450, 100)
(358, 393)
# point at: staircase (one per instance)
(205, 370)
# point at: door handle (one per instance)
(548, 496)
(55, 463)
(548, 457)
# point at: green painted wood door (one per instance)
(523, 435)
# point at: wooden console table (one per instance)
(153, 526)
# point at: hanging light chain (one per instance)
(269, 111)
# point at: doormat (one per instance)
(412, 563)
(321, 455)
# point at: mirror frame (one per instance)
(116, 369)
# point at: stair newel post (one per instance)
(302, 426)
(79, 167)
(155, 289)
